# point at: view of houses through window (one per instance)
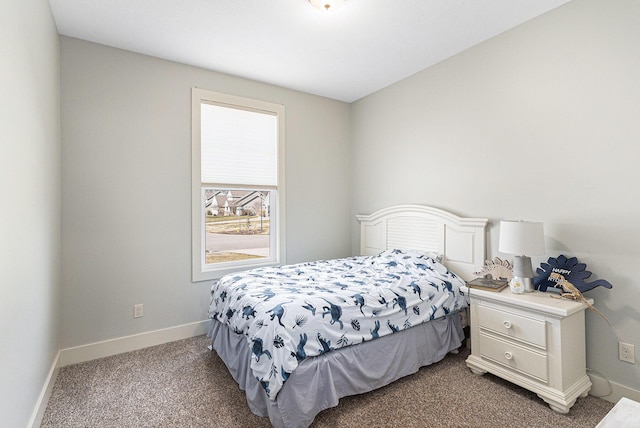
(236, 224)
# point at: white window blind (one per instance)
(238, 147)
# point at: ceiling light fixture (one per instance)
(327, 5)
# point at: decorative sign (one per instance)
(571, 270)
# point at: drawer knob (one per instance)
(506, 324)
(508, 355)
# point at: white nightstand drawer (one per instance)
(512, 325)
(514, 356)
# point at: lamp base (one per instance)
(527, 283)
(523, 272)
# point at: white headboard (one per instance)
(461, 241)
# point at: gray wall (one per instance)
(126, 174)
(29, 205)
(539, 123)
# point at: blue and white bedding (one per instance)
(289, 313)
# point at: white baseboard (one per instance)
(107, 348)
(611, 391)
(43, 399)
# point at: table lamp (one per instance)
(522, 239)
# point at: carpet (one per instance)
(183, 384)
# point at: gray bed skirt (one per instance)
(319, 382)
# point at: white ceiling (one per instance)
(345, 54)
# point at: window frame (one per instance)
(200, 270)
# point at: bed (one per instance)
(297, 338)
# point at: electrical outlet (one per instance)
(626, 352)
(138, 311)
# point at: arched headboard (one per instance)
(459, 240)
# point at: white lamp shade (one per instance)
(521, 238)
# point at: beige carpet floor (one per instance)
(183, 384)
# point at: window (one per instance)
(237, 184)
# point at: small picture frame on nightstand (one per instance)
(488, 284)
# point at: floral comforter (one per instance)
(289, 313)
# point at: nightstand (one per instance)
(533, 340)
